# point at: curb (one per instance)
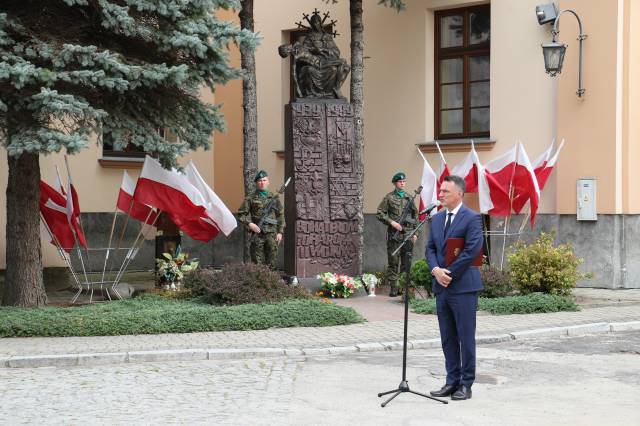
(97, 359)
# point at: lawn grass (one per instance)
(529, 304)
(154, 315)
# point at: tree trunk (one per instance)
(23, 284)
(250, 110)
(357, 100)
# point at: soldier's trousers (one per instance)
(264, 250)
(394, 261)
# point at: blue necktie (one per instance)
(448, 224)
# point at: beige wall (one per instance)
(227, 146)
(631, 106)
(593, 143)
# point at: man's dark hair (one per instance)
(457, 181)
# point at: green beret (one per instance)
(260, 175)
(398, 176)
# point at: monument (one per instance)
(321, 206)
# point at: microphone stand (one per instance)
(406, 248)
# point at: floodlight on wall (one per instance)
(554, 52)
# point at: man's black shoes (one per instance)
(445, 391)
(463, 392)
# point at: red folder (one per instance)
(455, 247)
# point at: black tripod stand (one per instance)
(406, 249)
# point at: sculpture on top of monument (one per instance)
(318, 71)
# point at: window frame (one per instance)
(464, 52)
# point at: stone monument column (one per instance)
(321, 205)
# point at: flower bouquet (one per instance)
(171, 269)
(338, 285)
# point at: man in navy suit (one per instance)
(456, 286)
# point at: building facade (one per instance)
(444, 70)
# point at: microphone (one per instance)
(430, 207)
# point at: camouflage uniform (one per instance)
(264, 248)
(390, 209)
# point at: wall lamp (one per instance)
(554, 52)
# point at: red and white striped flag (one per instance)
(143, 213)
(217, 211)
(54, 214)
(173, 193)
(73, 208)
(468, 170)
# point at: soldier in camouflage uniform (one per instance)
(264, 248)
(389, 212)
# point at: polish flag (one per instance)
(73, 208)
(217, 211)
(468, 170)
(169, 191)
(525, 183)
(495, 180)
(173, 193)
(444, 170)
(542, 167)
(429, 183)
(54, 213)
(126, 203)
(544, 170)
(143, 213)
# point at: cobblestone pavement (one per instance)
(380, 331)
(588, 380)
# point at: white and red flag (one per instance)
(54, 213)
(217, 212)
(496, 176)
(173, 193)
(444, 168)
(169, 191)
(143, 213)
(543, 169)
(73, 208)
(468, 170)
(525, 183)
(429, 183)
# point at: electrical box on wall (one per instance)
(587, 199)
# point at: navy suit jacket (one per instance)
(466, 224)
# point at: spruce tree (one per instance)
(70, 69)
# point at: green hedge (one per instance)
(529, 304)
(154, 315)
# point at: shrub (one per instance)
(420, 277)
(238, 284)
(529, 304)
(543, 267)
(497, 283)
(151, 314)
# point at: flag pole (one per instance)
(106, 256)
(441, 155)
(66, 162)
(131, 253)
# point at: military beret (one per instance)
(398, 176)
(260, 175)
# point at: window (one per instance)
(122, 148)
(462, 72)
